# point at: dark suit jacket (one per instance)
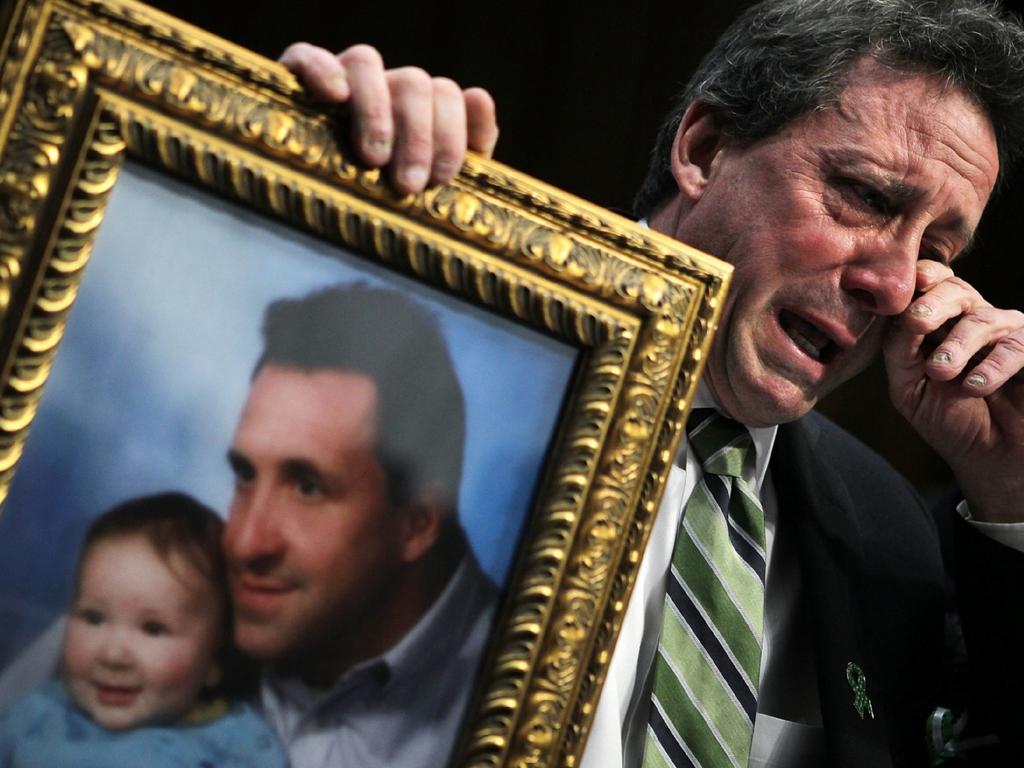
(876, 594)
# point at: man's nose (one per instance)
(883, 275)
(252, 535)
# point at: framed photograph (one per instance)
(172, 206)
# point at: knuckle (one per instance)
(1012, 345)
(481, 120)
(296, 50)
(953, 344)
(482, 97)
(409, 78)
(931, 274)
(933, 269)
(977, 318)
(361, 54)
(1009, 319)
(417, 147)
(958, 282)
(1006, 359)
(445, 86)
(300, 56)
(994, 368)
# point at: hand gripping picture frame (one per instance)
(167, 197)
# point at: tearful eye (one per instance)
(871, 197)
(859, 202)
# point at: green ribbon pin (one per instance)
(859, 682)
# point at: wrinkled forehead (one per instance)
(924, 105)
(913, 128)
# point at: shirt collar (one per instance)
(763, 437)
(420, 643)
(461, 596)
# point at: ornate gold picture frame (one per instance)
(145, 159)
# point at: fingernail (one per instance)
(338, 83)
(976, 380)
(942, 357)
(920, 310)
(374, 146)
(414, 178)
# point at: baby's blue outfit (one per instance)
(46, 729)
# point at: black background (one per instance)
(581, 89)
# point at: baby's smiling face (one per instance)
(143, 635)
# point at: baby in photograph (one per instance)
(146, 661)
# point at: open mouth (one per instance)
(116, 695)
(808, 338)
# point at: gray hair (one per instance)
(785, 58)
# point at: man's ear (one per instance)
(421, 521)
(699, 142)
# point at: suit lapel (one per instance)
(813, 500)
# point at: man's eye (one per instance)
(871, 198)
(309, 488)
(244, 476)
(241, 469)
(154, 628)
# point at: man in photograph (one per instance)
(839, 153)
(351, 577)
(350, 573)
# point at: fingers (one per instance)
(419, 126)
(930, 272)
(969, 337)
(319, 70)
(450, 130)
(1004, 362)
(481, 121)
(412, 107)
(371, 104)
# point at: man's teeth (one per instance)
(807, 337)
(804, 344)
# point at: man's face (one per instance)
(825, 222)
(311, 540)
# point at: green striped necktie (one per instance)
(704, 694)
